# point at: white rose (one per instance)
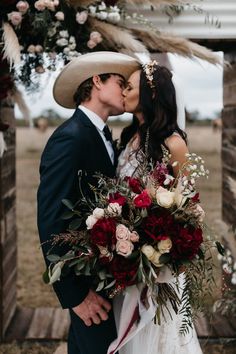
(62, 42)
(66, 50)
(91, 221)
(98, 213)
(64, 34)
(152, 255)
(92, 10)
(148, 251)
(60, 16)
(165, 198)
(113, 17)
(164, 246)
(114, 209)
(156, 259)
(72, 46)
(102, 15)
(72, 40)
(102, 6)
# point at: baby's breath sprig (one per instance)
(196, 166)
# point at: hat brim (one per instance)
(86, 66)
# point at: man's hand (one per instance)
(93, 309)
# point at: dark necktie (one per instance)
(107, 133)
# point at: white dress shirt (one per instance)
(99, 124)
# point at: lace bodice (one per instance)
(128, 162)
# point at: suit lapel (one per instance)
(98, 143)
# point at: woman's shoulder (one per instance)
(175, 141)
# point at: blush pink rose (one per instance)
(95, 37)
(91, 44)
(60, 16)
(40, 5)
(22, 6)
(15, 18)
(122, 232)
(124, 248)
(134, 236)
(81, 17)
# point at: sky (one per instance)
(201, 85)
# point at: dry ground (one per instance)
(30, 143)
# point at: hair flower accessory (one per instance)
(149, 69)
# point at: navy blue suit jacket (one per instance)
(75, 145)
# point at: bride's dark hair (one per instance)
(158, 105)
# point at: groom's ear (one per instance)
(97, 81)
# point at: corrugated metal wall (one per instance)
(192, 25)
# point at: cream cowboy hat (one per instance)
(84, 67)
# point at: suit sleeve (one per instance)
(61, 160)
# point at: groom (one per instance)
(92, 84)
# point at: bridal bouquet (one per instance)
(134, 227)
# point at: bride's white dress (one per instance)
(144, 336)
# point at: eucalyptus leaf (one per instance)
(165, 258)
(102, 274)
(46, 277)
(68, 203)
(110, 284)
(134, 255)
(87, 270)
(80, 266)
(100, 286)
(67, 256)
(67, 215)
(75, 224)
(53, 258)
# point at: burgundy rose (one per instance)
(123, 270)
(117, 198)
(158, 227)
(186, 243)
(142, 200)
(159, 173)
(134, 184)
(196, 199)
(103, 232)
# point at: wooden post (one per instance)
(8, 235)
(229, 143)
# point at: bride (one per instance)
(150, 96)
